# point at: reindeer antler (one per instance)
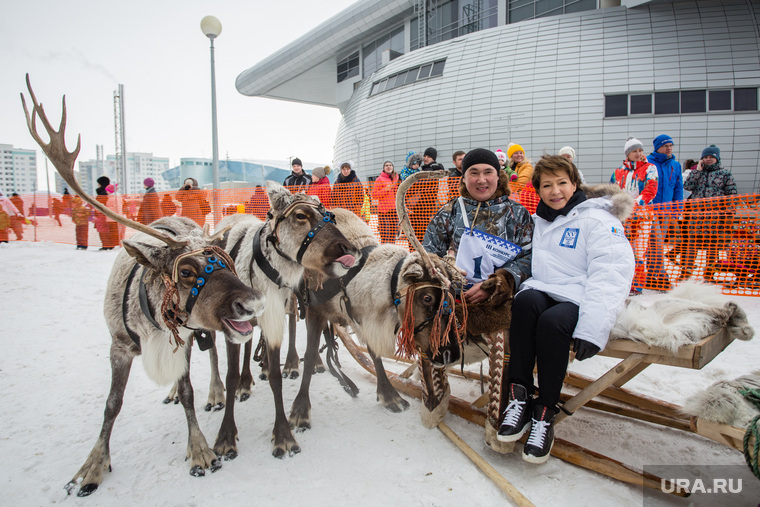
(403, 216)
(63, 160)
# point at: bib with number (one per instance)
(480, 253)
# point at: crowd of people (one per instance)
(572, 253)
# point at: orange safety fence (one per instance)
(715, 240)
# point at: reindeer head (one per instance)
(303, 231)
(201, 288)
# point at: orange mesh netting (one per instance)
(715, 239)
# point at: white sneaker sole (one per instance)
(538, 459)
(515, 437)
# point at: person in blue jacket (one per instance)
(667, 204)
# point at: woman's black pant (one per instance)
(540, 333)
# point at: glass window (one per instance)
(412, 75)
(438, 68)
(383, 85)
(720, 100)
(641, 104)
(616, 105)
(414, 27)
(399, 79)
(425, 71)
(373, 52)
(666, 103)
(693, 101)
(745, 99)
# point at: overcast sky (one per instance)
(85, 49)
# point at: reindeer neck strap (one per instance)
(262, 262)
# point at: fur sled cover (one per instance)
(687, 314)
(723, 403)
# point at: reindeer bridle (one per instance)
(274, 238)
(438, 335)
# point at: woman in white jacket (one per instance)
(582, 269)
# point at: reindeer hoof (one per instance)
(207, 408)
(230, 455)
(197, 471)
(294, 374)
(215, 465)
(168, 400)
(69, 487)
(303, 426)
(263, 376)
(319, 368)
(87, 489)
(219, 406)
(278, 453)
(244, 396)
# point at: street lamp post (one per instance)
(211, 28)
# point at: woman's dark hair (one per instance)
(555, 164)
(689, 163)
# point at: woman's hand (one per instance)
(475, 294)
(699, 165)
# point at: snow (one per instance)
(55, 375)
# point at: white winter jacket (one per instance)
(585, 258)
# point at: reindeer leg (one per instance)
(319, 366)
(246, 377)
(172, 396)
(386, 393)
(291, 360)
(283, 441)
(198, 452)
(99, 459)
(226, 439)
(215, 386)
(435, 395)
(264, 375)
(300, 412)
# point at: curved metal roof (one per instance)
(304, 70)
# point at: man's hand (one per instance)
(476, 294)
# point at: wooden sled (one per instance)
(605, 393)
(563, 449)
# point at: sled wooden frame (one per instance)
(606, 394)
(563, 449)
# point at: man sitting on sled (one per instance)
(582, 269)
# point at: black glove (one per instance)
(584, 349)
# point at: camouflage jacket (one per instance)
(500, 216)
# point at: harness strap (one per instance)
(327, 217)
(262, 262)
(132, 334)
(395, 296)
(144, 303)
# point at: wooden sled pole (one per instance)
(498, 479)
(562, 449)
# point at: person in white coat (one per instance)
(582, 268)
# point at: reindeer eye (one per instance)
(427, 298)
(185, 273)
(301, 216)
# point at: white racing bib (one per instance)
(480, 253)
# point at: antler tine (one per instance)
(63, 161)
(217, 235)
(403, 216)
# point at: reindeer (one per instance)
(298, 233)
(169, 280)
(391, 292)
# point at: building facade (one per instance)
(139, 167)
(461, 74)
(18, 170)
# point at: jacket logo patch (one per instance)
(569, 238)
(619, 232)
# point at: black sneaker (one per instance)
(516, 420)
(541, 437)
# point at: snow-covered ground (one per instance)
(55, 377)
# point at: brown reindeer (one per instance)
(298, 233)
(390, 292)
(169, 280)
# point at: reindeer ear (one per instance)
(279, 196)
(147, 255)
(413, 272)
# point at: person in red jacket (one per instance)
(320, 185)
(384, 191)
(638, 177)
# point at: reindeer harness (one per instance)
(216, 260)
